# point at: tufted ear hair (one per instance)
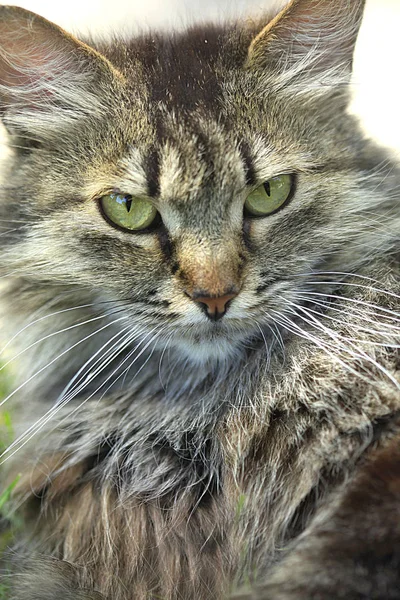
(49, 80)
(309, 43)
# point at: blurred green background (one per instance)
(8, 522)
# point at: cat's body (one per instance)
(184, 453)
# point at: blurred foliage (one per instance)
(8, 522)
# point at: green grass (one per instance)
(6, 437)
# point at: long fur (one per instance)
(162, 454)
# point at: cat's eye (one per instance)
(269, 196)
(128, 212)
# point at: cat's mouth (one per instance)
(219, 340)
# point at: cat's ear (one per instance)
(310, 42)
(48, 79)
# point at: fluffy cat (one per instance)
(200, 281)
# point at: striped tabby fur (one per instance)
(165, 455)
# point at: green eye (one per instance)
(128, 212)
(269, 196)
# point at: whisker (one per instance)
(369, 316)
(52, 412)
(8, 231)
(62, 311)
(58, 357)
(128, 357)
(267, 348)
(357, 285)
(16, 221)
(58, 312)
(143, 365)
(288, 324)
(161, 359)
(343, 273)
(112, 356)
(278, 336)
(48, 417)
(339, 339)
(355, 325)
(392, 313)
(50, 335)
(24, 438)
(86, 379)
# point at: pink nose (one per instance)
(215, 307)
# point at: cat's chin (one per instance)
(208, 352)
(203, 351)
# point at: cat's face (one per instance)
(192, 127)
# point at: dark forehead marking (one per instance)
(183, 72)
(248, 162)
(152, 170)
(181, 69)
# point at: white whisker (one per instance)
(356, 325)
(50, 335)
(128, 357)
(58, 312)
(353, 350)
(161, 359)
(330, 350)
(367, 315)
(352, 300)
(357, 285)
(44, 368)
(267, 348)
(125, 337)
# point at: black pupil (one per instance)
(128, 203)
(267, 188)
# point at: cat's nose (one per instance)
(214, 306)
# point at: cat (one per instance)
(200, 285)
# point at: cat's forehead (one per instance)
(193, 156)
(198, 122)
(188, 161)
(185, 70)
(182, 137)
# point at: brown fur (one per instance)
(183, 458)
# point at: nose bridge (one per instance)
(209, 267)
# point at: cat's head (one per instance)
(199, 178)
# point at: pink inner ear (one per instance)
(326, 22)
(36, 58)
(22, 65)
(48, 79)
(22, 47)
(323, 31)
